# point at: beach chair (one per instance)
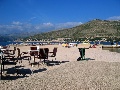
(46, 50)
(53, 53)
(35, 55)
(26, 55)
(19, 55)
(10, 56)
(43, 54)
(13, 51)
(7, 59)
(4, 62)
(23, 55)
(34, 52)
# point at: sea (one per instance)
(103, 43)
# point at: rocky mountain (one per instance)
(91, 29)
(15, 36)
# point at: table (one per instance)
(33, 50)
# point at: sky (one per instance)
(54, 14)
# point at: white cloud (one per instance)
(16, 23)
(47, 24)
(72, 23)
(37, 27)
(44, 26)
(32, 18)
(67, 25)
(12, 27)
(17, 26)
(114, 18)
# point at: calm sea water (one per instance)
(7, 43)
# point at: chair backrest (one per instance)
(19, 54)
(46, 51)
(33, 48)
(15, 48)
(55, 51)
(43, 54)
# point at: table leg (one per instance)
(82, 54)
(1, 66)
(1, 71)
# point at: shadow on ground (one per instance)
(17, 72)
(79, 59)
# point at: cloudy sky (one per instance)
(54, 14)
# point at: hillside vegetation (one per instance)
(91, 29)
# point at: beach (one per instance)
(100, 71)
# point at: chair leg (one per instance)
(37, 63)
(29, 58)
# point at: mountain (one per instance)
(18, 30)
(5, 38)
(15, 36)
(91, 29)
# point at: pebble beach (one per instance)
(100, 71)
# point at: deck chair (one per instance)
(7, 59)
(23, 55)
(46, 50)
(43, 54)
(19, 55)
(10, 56)
(13, 51)
(4, 62)
(5, 47)
(35, 54)
(34, 51)
(53, 53)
